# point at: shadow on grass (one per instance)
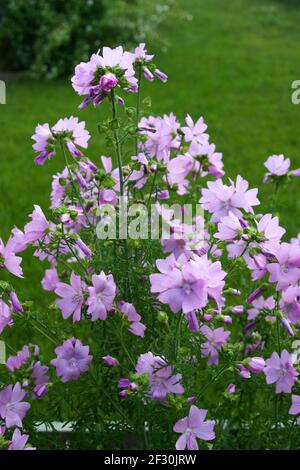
(290, 3)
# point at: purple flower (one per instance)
(194, 427)
(295, 407)
(195, 131)
(19, 441)
(280, 370)
(5, 316)
(286, 269)
(161, 75)
(220, 199)
(129, 311)
(257, 365)
(188, 284)
(73, 133)
(44, 143)
(290, 303)
(161, 376)
(215, 340)
(229, 228)
(72, 297)
(108, 81)
(83, 247)
(101, 296)
(9, 260)
(16, 304)
(277, 165)
(12, 408)
(50, 279)
(14, 363)
(72, 359)
(260, 304)
(95, 78)
(230, 389)
(109, 360)
(38, 227)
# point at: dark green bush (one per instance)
(49, 37)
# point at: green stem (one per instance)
(223, 369)
(117, 142)
(138, 105)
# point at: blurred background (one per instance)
(231, 61)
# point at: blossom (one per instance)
(257, 365)
(229, 227)
(195, 131)
(162, 379)
(50, 279)
(285, 270)
(72, 359)
(5, 316)
(280, 370)
(215, 340)
(14, 363)
(9, 260)
(71, 297)
(231, 389)
(73, 133)
(295, 407)
(15, 302)
(109, 360)
(19, 441)
(129, 311)
(95, 78)
(219, 199)
(101, 296)
(44, 143)
(290, 303)
(188, 284)
(12, 408)
(192, 427)
(277, 166)
(38, 227)
(259, 305)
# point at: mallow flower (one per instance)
(194, 427)
(290, 303)
(277, 165)
(5, 316)
(216, 338)
(285, 269)
(295, 407)
(9, 260)
(71, 297)
(195, 131)
(19, 441)
(12, 408)
(72, 359)
(38, 227)
(162, 379)
(134, 319)
(101, 296)
(280, 370)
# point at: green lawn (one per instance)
(233, 63)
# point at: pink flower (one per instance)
(215, 340)
(12, 408)
(101, 296)
(9, 260)
(290, 303)
(71, 297)
(38, 227)
(5, 316)
(229, 228)
(194, 427)
(280, 370)
(195, 131)
(161, 376)
(72, 359)
(259, 305)
(19, 441)
(295, 407)
(44, 143)
(277, 165)
(257, 365)
(109, 360)
(50, 279)
(73, 133)
(188, 284)
(220, 199)
(129, 311)
(286, 269)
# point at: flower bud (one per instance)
(108, 81)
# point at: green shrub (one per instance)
(48, 37)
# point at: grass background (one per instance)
(233, 63)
